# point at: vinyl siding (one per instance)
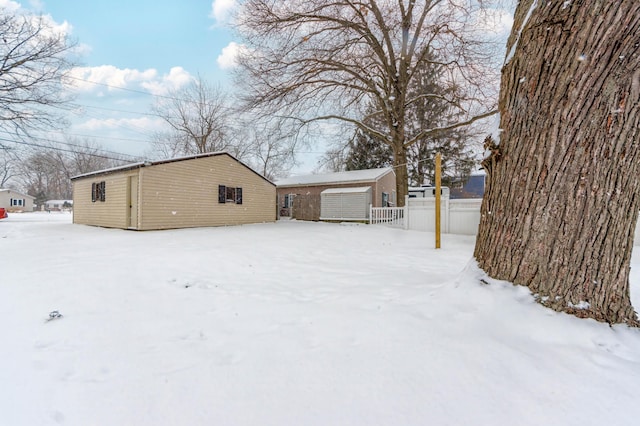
(7, 196)
(345, 206)
(111, 213)
(386, 183)
(307, 204)
(184, 194)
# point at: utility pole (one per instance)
(438, 196)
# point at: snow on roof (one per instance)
(346, 190)
(17, 192)
(58, 201)
(154, 163)
(339, 177)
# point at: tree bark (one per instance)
(402, 175)
(563, 194)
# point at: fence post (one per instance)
(405, 212)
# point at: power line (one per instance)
(76, 145)
(65, 150)
(117, 110)
(122, 88)
(99, 137)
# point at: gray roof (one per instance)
(17, 192)
(356, 190)
(369, 175)
(141, 164)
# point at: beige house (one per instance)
(213, 189)
(15, 201)
(336, 196)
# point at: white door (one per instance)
(133, 202)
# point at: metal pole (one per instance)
(437, 194)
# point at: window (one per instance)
(98, 191)
(227, 194)
(17, 202)
(288, 201)
(385, 199)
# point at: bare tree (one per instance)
(563, 189)
(34, 58)
(198, 121)
(331, 60)
(46, 172)
(8, 164)
(268, 144)
(335, 158)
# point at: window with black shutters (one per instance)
(227, 194)
(98, 191)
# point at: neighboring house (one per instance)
(213, 189)
(58, 205)
(428, 192)
(472, 187)
(15, 201)
(336, 196)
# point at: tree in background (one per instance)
(366, 150)
(269, 145)
(46, 172)
(8, 163)
(563, 181)
(34, 59)
(198, 121)
(332, 60)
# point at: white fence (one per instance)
(457, 216)
(391, 216)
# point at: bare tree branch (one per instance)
(336, 59)
(34, 59)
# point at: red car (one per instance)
(3, 213)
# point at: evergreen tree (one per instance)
(367, 152)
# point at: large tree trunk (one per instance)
(402, 175)
(564, 183)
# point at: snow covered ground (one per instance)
(290, 323)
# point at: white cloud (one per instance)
(37, 4)
(9, 6)
(221, 10)
(94, 79)
(96, 124)
(87, 79)
(178, 77)
(227, 59)
(495, 21)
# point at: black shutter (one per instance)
(93, 192)
(222, 194)
(238, 195)
(103, 191)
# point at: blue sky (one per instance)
(146, 47)
(133, 51)
(143, 34)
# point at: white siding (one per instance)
(347, 204)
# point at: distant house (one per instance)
(15, 201)
(336, 196)
(58, 205)
(213, 189)
(472, 187)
